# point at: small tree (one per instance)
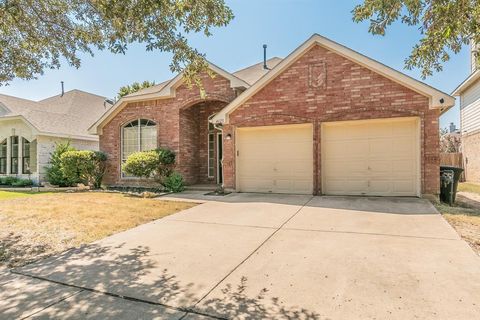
(85, 166)
(449, 143)
(55, 175)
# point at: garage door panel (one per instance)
(380, 129)
(293, 168)
(403, 167)
(347, 168)
(381, 167)
(275, 159)
(371, 157)
(406, 186)
(338, 133)
(359, 149)
(380, 147)
(354, 186)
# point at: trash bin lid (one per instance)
(451, 168)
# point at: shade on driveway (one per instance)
(281, 257)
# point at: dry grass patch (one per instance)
(36, 227)
(469, 187)
(465, 220)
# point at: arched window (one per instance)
(138, 135)
(3, 156)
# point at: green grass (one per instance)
(469, 187)
(6, 195)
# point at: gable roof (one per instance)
(437, 98)
(163, 90)
(69, 115)
(472, 79)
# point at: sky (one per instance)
(281, 24)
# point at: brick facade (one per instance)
(352, 92)
(181, 126)
(471, 153)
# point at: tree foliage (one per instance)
(55, 174)
(41, 34)
(134, 87)
(445, 26)
(449, 143)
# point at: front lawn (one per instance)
(5, 195)
(469, 187)
(464, 215)
(33, 226)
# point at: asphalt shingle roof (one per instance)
(71, 114)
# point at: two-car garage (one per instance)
(378, 157)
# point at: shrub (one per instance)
(22, 183)
(157, 164)
(174, 182)
(142, 164)
(15, 182)
(55, 175)
(8, 181)
(84, 166)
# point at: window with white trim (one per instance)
(26, 156)
(3, 157)
(14, 154)
(138, 135)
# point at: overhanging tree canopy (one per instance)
(445, 26)
(37, 34)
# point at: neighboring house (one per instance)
(469, 93)
(29, 130)
(324, 120)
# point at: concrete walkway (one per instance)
(250, 256)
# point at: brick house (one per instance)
(324, 120)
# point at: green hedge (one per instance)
(15, 182)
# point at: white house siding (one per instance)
(46, 145)
(470, 128)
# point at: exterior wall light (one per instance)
(228, 137)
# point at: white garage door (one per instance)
(276, 159)
(372, 157)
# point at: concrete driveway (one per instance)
(250, 256)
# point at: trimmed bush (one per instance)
(55, 175)
(174, 182)
(142, 164)
(84, 166)
(157, 164)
